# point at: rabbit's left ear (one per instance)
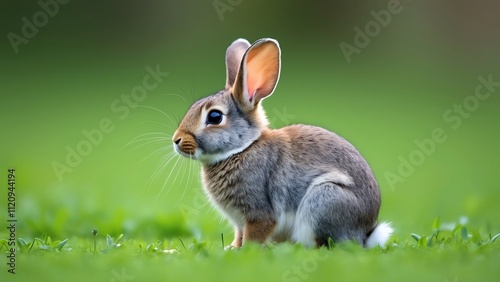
(234, 54)
(258, 74)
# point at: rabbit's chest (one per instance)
(222, 185)
(228, 204)
(226, 192)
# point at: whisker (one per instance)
(158, 138)
(190, 168)
(190, 93)
(151, 133)
(168, 177)
(161, 166)
(157, 122)
(165, 141)
(167, 148)
(151, 178)
(138, 138)
(182, 178)
(193, 96)
(158, 110)
(178, 96)
(177, 174)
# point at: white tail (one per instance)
(380, 235)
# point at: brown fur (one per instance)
(259, 230)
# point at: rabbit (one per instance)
(300, 183)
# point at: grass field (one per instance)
(88, 158)
(441, 255)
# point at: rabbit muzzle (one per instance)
(184, 144)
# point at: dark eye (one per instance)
(214, 117)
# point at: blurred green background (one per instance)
(396, 88)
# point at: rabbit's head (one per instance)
(226, 123)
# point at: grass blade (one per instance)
(465, 234)
(416, 236)
(222, 239)
(109, 241)
(61, 244)
(182, 242)
(436, 224)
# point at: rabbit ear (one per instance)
(234, 53)
(259, 73)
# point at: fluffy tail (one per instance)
(380, 235)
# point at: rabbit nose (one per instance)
(178, 141)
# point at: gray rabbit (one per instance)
(299, 183)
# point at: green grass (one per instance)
(469, 255)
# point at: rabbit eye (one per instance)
(214, 117)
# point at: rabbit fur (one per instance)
(300, 183)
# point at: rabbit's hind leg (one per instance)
(327, 211)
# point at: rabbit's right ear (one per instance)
(234, 54)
